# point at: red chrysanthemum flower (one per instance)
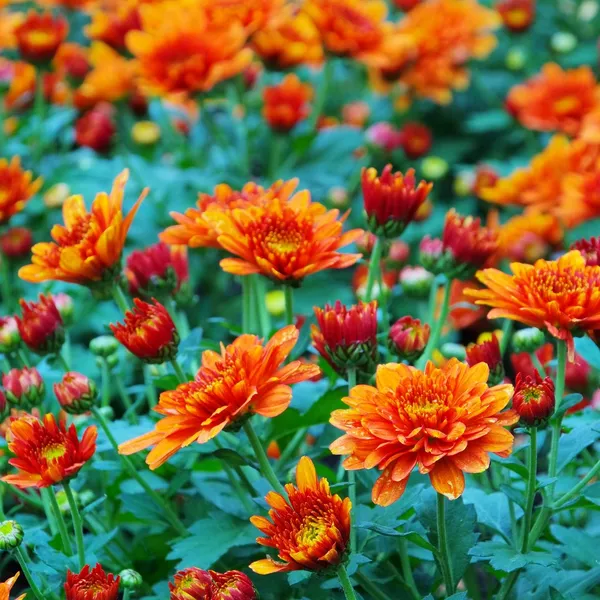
(16, 242)
(41, 326)
(16, 188)
(76, 393)
(517, 15)
(96, 128)
(561, 297)
(245, 378)
(309, 529)
(408, 338)
(287, 103)
(347, 337)
(446, 421)
(197, 584)
(158, 270)
(40, 35)
(487, 352)
(392, 199)
(92, 584)
(534, 398)
(416, 140)
(47, 452)
(590, 250)
(148, 332)
(23, 387)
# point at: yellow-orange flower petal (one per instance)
(16, 188)
(7, 586)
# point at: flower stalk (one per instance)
(346, 583)
(22, 560)
(443, 549)
(60, 522)
(557, 422)
(374, 268)
(438, 325)
(77, 523)
(531, 488)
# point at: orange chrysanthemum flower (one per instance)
(445, 421)
(252, 14)
(555, 99)
(195, 231)
(310, 529)
(112, 25)
(180, 50)
(7, 586)
(46, 451)
(87, 249)
(562, 296)
(16, 188)
(21, 89)
(244, 379)
(284, 240)
(290, 40)
(287, 103)
(580, 200)
(40, 35)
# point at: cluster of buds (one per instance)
(76, 393)
(41, 326)
(534, 398)
(104, 348)
(392, 200)
(408, 338)
(465, 247)
(347, 337)
(488, 352)
(10, 339)
(23, 388)
(197, 584)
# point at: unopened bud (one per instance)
(11, 535)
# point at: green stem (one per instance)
(369, 586)
(322, 92)
(289, 305)
(507, 330)
(77, 523)
(278, 141)
(5, 278)
(127, 404)
(559, 387)
(105, 369)
(352, 477)
(126, 594)
(575, 491)
(119, 298)
(160, 502)
(443, 548)
(246, 302)
(507, 586)
(531, 487)
(60, 522)
(48, 510)
(437, 326)
(407, 570)
(62, 361)
(235, 483)
(263, 460)
(181, 376)
(22, 560)
(537, 364)
(150, 390)
(293, 445)
(29, 499)
(346, 583)
(264, 324)
(39, 108)
(23, 358)
(374, 268)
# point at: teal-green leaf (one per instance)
(503, 557)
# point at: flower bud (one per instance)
(23, 387)
(11, 535)
(563, 42)
(451, 350)
(275, 302)
(398, 254)
(91, 584)
(145, 133)
(65, 306)
(408, 338)
(534, 399)
(590, 250)
(130, 579)
(10, 339)
(384, 136)
(41, 326)
(338, 197)
(76, 393)
(487, 352)
(104, 346)
(16, 242)
(416, 281)
(4, 408)
(273, 450)
(56, 195)
(434, 167)
(63, 501)
(528, 340)
(515, 59)
(96, 129)
(366, 243)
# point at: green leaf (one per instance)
(492, 510)
(567, 403)
(503, 557)
(571, 444)
(411, 536)
(485, 122)
(588, 350)
(592, 493)
(577, 544)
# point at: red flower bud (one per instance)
(148, 332)
(347, 337)
(76, 393)
(408, 338)
(4, 408)
(487, 352)
(384, 136)
(23, 387)
(10, 337)
(196, 584)
(517, 15)
(416, 140)
(533, 399)
(398, 254)
(41, 326)
(287, 103)
(64, 305)
(392, 200)
(273, 450)
(16, 242)
(96, 129)
(590, 250)
(366, 242)
(92, 584)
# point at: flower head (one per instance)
(158, 270)
(7, 586)
(9, 335)
(590, 250)
(16, 242)
(87, 249)
(96, 128)
(561, 297)
(408, 338)
(384, 136)
(287, 103)
(534, 398)
(46, 451)
(41, 326)
(92, 584)
(347, 337)
(148, 332)
(555, 99)
(76, 393)
(252, 14)
(197, 584)
(179, 49)
(392, 199)
(310, 529)
(16, 188)
(517, 15)
(465, 247)
(23, 387)
(444, 420)
(416, 140)
(40, 35)
(245, 378)
(284, 240)
(487, 352)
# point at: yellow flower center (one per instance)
(283, 241)
(517, 17)
(54, 451)
(566, 105)
(40, 37)
(531, 395)
(550, 282)
(311, 531)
